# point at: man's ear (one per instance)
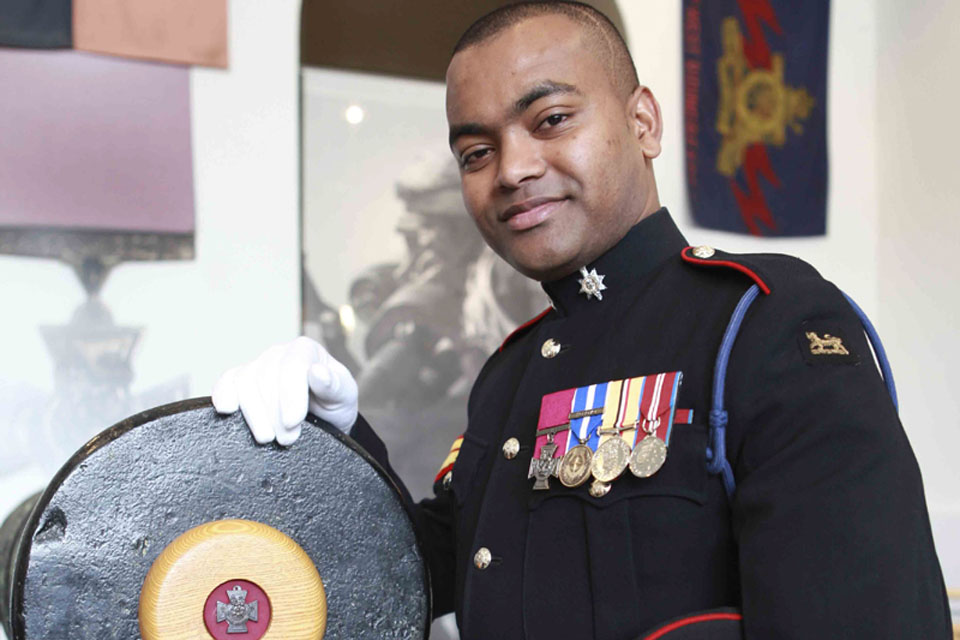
(645, 122)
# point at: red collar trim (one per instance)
(528, 323)
(726, 263)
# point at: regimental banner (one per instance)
(755, 96)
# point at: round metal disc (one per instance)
(610, 459)
(575, 467)
(129, 492)
(648, 456)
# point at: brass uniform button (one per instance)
(511, 448)
(703, 252)
(447, 479)
(482, 558)
(550, 348)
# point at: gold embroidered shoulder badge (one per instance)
(823, 343)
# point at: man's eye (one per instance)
(473, 157)
(553, 120)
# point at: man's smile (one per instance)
(530, 213)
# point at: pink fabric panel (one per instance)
(182, 31)
(555, 408)
(94, 142)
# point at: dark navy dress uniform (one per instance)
(825, 534)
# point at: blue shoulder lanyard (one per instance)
(717, 462)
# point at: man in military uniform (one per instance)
(775, 477)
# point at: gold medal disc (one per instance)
(575, 468)
(611, 458)
(648, 456)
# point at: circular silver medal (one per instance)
(575, 468)
(648, 456)
(611, 458)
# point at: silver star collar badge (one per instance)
(591, 284)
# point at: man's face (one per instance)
(554, 165)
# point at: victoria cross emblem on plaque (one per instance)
(238, 612)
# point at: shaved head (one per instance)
(602, 36)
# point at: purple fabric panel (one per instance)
(94, 142)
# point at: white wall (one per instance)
(242, 291)
(919, 206)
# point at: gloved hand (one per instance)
(275, 391)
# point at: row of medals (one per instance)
(612, 458)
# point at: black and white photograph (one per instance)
(412, 300)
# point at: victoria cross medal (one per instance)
(238, 612)
(545, 466)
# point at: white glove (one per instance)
(275, 390)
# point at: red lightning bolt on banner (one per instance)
(753, 205)
(755, 47)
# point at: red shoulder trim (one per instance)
(685, 254)
(528, 323)
(443, 471)
(683, 622)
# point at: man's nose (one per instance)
(520, 160)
